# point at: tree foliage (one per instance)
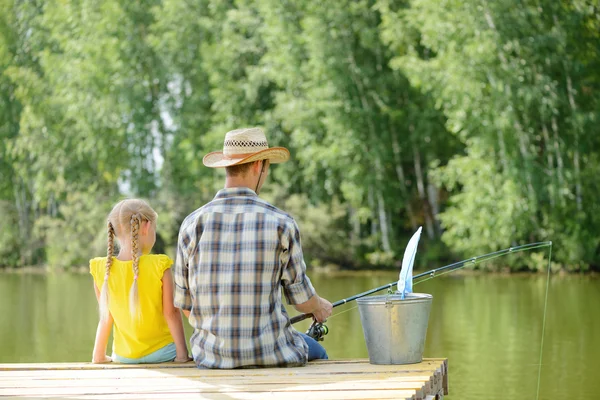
(476, 120)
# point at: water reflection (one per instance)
(488, 326)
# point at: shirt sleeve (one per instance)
(297, 287)
(182, 298)
(94, 271)
(164, 263)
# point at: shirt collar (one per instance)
(235, 192)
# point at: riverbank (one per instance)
(333, 271)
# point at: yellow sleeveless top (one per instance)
(135, 338)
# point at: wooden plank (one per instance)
(421, 386)
(445, 376)
(325, 379)
(192, 393)
(426, 382)
(90, 366)
(325, 395)
(311, 369)
(417, 382)
(202, 387)
(142, 374)
(38, 382)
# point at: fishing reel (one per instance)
(317, 330)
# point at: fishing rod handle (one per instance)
(299, 318)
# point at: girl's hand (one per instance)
(182, 359)
(101, 360)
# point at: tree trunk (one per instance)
(383, 224)
(355, 231)
(502, 145)
(550, 158)
(371, 200)
(578, 194)
(559, 161)
(422, 195)
(22, 206)
(402, 179)
(433, 197)
(532, 196)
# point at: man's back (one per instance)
(234, 256)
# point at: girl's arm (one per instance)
(102, 334)
(173, 318)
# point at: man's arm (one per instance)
(297, 287)
(182, 298)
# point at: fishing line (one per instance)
(341, 312)
(425, 276)
(544, 320)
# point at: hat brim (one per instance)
(275, 155)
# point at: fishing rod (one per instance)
(319, 330)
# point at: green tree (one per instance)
(511, 81)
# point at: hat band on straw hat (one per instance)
(235, 148)
(246, 143)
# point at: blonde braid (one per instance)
(133, 294)
(103, 304)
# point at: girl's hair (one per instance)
(125, 220)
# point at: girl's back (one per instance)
(135, 292)
(136, 337)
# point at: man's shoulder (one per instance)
(192, 218)
(275, 211)
(285, 219)
(219, 206)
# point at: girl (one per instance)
(135, 292)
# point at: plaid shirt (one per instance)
(233, 257)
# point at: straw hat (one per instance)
(243, 146)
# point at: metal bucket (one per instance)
(395, 329)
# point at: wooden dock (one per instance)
(341, 379)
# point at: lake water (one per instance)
(488, 326)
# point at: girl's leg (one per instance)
(167, 353)
(315, 350)
(124, 360)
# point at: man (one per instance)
(234, 257)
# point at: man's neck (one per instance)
(236, 182)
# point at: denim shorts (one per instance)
(315, 350)
(167, 353)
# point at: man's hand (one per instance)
(317, 306)
(323, 311)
